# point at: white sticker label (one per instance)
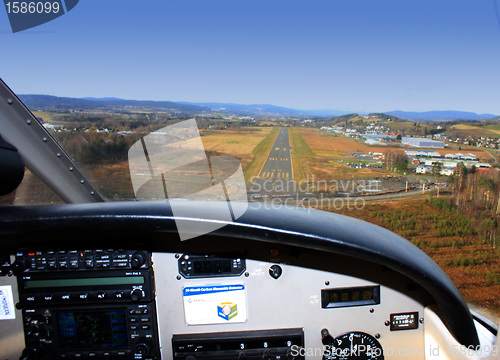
(6, 303)
(314, 299)
(215, 304)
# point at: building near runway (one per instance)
(422, 142)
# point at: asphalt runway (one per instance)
(276, 176)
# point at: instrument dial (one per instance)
(354, 345)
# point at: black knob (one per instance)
(326, 338)
(32, 353)
(136, 295)
(141, 350)
(34, 330)
(275, 271)
(20, 264)
(4, 264)
(138, 259)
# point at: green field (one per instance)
(260, 154)
(299, 148)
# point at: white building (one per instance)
(422, 169)
(422, 142)
(447, 171)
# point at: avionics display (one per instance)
(96, 281)
(200, 266)
(355, 296)
(93, 329)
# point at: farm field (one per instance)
(393, 125)
(399, 125)
(45, 116)
(494, 128)
(465, 130)
(450, 240)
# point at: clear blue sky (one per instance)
(352, 55)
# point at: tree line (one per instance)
(476, 193)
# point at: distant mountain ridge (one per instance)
(446, 115)
(66, 103)
(264, 109)
(49, 102)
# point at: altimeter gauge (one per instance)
(354, 345)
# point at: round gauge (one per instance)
(354, 345)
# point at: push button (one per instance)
(73, 262)
(101, 295)
(63, 263)
(51, 263)
(89, 262)
(30, 298)
(103, 264)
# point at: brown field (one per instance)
(47, 117)
(239, 143)
(318, 140)
(465, 133)
(321, 168)
(335, 154)
(235, 142)
(316, 156)
(464, 130)
(452, 253)
(399, 125)
(112, 180)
